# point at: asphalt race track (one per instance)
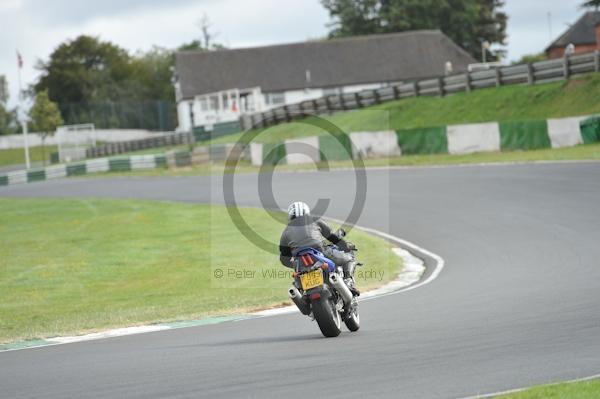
(518, 302)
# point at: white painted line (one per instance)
(510, 391)
(413, 249)
(406, 280)
(119, 332)
(411, 273)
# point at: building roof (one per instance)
(581, 32)
(337, 62)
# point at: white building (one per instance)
(220, 86)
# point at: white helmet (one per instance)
(297, 209)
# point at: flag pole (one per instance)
(23, 117)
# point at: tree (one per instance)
(467, 22)
(152, 73)
(45, 118)
(206, 43)
(530, 58)
(85, 69)
(8, 117)
(595, 4)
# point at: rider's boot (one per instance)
(349, 277)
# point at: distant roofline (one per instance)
(333, 51)
(315, 41)
(570, 29)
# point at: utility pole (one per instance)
(22, 115)
(549, 26)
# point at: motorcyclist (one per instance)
(307, 231)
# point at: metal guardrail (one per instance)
(137, 145)
(537, 72)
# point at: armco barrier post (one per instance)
(396, 92)
(530, 77)
(566, 66)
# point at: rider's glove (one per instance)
(343, 245)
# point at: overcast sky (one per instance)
(36, 27)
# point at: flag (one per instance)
(19, 60)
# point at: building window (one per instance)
(203, 104)
(225, 101)
(275, 98)
(214, 103)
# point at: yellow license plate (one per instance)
(312, 279)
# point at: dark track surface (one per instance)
(517, 303)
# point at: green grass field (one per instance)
(577, 96)
(16, 156)
(73, 266)
(578, 390)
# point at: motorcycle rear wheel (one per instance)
(327, 316)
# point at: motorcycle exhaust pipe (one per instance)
(341, 287)
(296, 296)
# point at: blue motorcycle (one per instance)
(320, 292)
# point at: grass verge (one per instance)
(75, 266)
(576, 390)
(16, 156)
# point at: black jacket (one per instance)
(304, 232)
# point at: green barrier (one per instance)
(427, 140)
(76, 169)
(161, 161)
(119, 164)
(36, 175)
(218, 130)
(225, 128)
(274, 153)
(524, 135)
(200, 134)
(590, 129)
(3, 180)
(183, 158)
(335, 148)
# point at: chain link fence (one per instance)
(150, 115)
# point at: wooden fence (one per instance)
(537, 72)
